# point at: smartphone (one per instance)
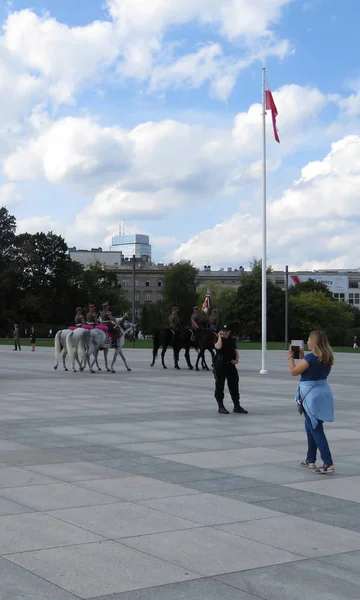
(296, 351)
(296, 346)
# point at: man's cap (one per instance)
(195, 308)
(79, 308)
(91, 305)
(175, 308)
(105, 304)
(213, 310)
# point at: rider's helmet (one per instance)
(79, 309)
(92, 306)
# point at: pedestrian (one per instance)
(355, 343)
(33, 338)
(315, 399)
(225, 361)
(17, 337)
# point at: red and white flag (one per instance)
(207, 303)
(270, 105)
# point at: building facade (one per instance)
(134, 244)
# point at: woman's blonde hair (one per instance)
(322, 348)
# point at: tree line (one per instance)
(311, 306)
(40, 286)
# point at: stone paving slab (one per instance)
(132, 487)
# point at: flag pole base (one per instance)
(264, 372)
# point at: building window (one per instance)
(124, 283)
(351, 296)
(137, 297)
(279, 281)
(159, 283)
(336, 296)
(342, 296)
(357, 301)
(147, 283)
(137, 312)
(159, 296)
(147, 297)
(136, 283)
(351, 301)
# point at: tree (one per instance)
(180, 289)
(311, 285)
(247, 307)
(152, 317)
(314, 310)
(7, 237)
(222, 298)
(101, 286)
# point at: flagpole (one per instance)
(264, 257)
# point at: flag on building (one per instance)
(270, 105)
(207, 303)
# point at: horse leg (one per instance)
(176, 358)
(155, 352)
(106, 351)
(199, 356)
(204, 365)
(65, 353)
(163, 352)
(187, 358)
(116, 353)
(124, 359)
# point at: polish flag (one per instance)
(270, 105)
(207, 303)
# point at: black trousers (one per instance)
(16, 344)
(226, 372)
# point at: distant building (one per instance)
(133, 244)
(96, 255)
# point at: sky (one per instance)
(149, 113)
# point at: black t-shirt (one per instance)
(228, 351)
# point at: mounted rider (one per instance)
(79, 317)
(174, 320)
(108, 319)
(195, 322)
(214, 321)
(92, 316)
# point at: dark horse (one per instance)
(165, 337)
(205, 340)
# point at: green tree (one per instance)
(180, 289)
(7, 237)
(152, 317)
(247, 307)
(100, 286)
(314, 310)
(311, 285)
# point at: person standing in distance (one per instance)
(16, 337)
(225, 361)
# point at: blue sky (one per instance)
(116, 110)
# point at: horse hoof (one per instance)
(74, 371)
(191, 368)
(129, 370)
(177, 368)
(152, 364)
(92, 371)
(109, 370)
(164, 367)
(66, 369)
(197, 369)
(113, 371)
(55, 368)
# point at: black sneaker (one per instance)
(241, 410)
(223, 411)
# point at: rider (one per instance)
(108, 319)
(79, 317)
(195, 322)
(92, 317)
(214, 321)
(174, 320)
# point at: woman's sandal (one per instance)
(305, 463)
(325, 470)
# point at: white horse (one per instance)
(95, 340)
(61, 347)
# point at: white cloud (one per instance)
(9, 195)
(318, 217)
(35, 224)
(64, 56)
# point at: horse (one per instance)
(97, 339)
(166, 337)
(205, 340)
(60, 347)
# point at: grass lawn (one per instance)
(48, 343)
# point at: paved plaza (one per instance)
(132, 487)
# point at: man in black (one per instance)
(226, 359)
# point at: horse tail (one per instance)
(69, 346)
(58, 348)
